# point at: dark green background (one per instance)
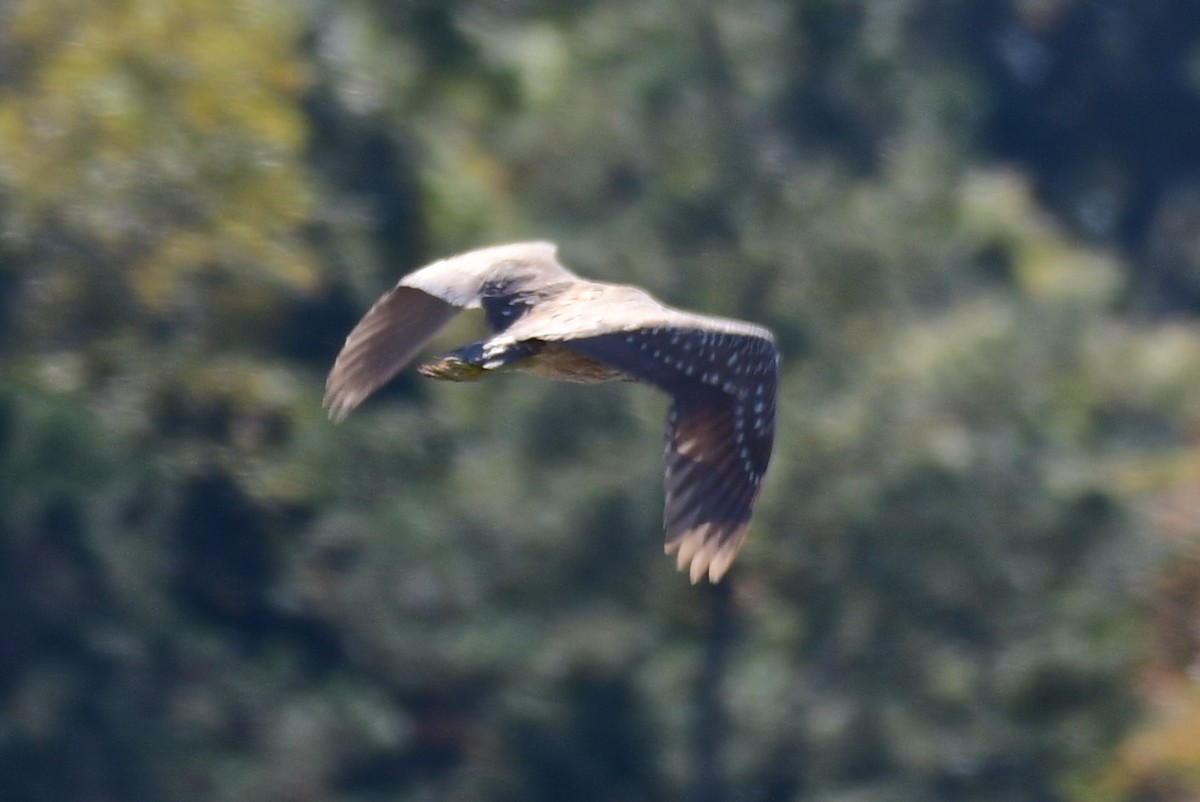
(973, 225)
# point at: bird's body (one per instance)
(721, 373)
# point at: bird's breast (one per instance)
(558, 362)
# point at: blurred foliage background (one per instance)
(975, 570)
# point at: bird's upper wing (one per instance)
(459, 280)
(722, 376)
(384, 341)
(407, 317)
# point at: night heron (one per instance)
(720, 373)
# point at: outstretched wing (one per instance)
(720, 427)
(403, 321)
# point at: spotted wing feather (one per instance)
(720, 430)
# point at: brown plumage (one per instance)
(721, 374)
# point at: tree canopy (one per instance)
(973, 573)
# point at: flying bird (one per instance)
(720, 374)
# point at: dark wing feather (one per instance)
(384, 341)
(720, 430)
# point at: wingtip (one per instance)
(705, 551)
(339, 404)
(703, 560)
(720, 563)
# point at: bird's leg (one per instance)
(462, 365)
(471, 362)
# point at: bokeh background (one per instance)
(975, 569)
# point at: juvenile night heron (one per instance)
(720, 374)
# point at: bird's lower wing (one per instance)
(384, 341)
(720, 430)
(710, 490)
